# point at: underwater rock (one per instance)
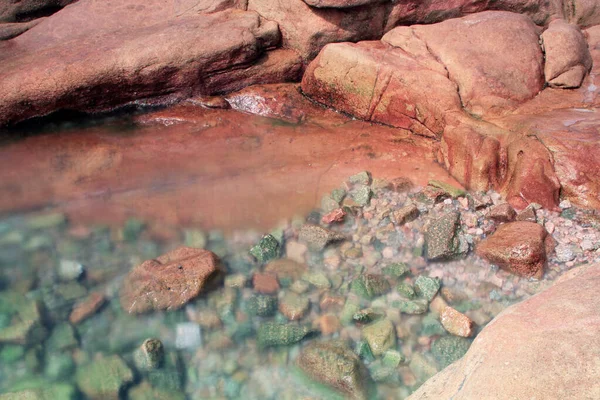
(317, 238)
(448, 349)
(502, 212)
(405, 214)
(333, 363)
(87, 307)
(427, 287)
(266, 250)
(294, 306)
(169, 281)
(104, 378)
(27, 326)
(370, 285)
(275, 334)
(265, 283)
(441, 238)
(286, 268)
(149, 355)
(380, 335)
(456, 322)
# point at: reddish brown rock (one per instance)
(159, 51)
(25, 10)
(557, 329)
(284, 268)
(340, 3)
(405, 214)
(568, 59)
(502, 213)
(169, 281)
(13, 29)
(336, 215)
(456, 322)
(473, 49)
(518, 247)
(87, 307)
(265, 283)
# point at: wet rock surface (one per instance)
(169, 281)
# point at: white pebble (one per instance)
(188, 336)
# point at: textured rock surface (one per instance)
(519, 247)
(168, 282)
(504, 360)
(24, 10)
(567, 56)
(159, 51)
(336, 365)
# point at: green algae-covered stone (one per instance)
(104, 378)
(317, 279)
(262, 305)
(396, 270)
(47, 392)
(363, 350)
(149, 355)
(11, 354)
(418, 306)
(431, 326)
(59, 366)
(62, 338)
(26, 327)
(145, 391)
(338, 195)
(427, 287)
(406, 290)
(132, 229)
(361, 178)
(367, 315)
(370, 285)
(334, 364)
(380, 335)
(275, 334)
(448, 349)
(266, 249)
(450, 190)
(392, 358)
(46, 221)
(361, 194)
(350, 308)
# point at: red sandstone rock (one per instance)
(502, 213)
(265, 283)
(456, 322)
(285, 268)
(87, 307)
(545, 347)
(518, 247)
(340, 3)
(169, 281)
(25, 10)
(568, 59)
(67, 61)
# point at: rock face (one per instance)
(161, 52)
(504, 360)
(568, 59)
(518, 247)
(24, 10)
(336, 365)
(168, 282)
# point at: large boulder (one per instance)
(168, 282)
(544, 348)
(133, 51)
(568, 58)
(473, 50)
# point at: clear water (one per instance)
(83, 205)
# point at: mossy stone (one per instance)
(380, 335)
(266, 249)
(406, 290)
(396, 270)
(104, 378)
(427, 287)
(370, 285)
(262, 305)
(448, 349)
(274, 334)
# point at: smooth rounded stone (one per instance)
(317, 279)
(149, 355)
(59, 366)
(441, 237)
(502, 212)
(370, 285)
(564, 253)
(317, 237)
(266, 249)
(104, 378)
(265, 283)
(46, 221)
(380, 335)
(274, 334)
(294, 306)
(361, 194)
(456, 322)
(405, 214)
(69, 270)
(188, 335)
(405, 289)
(145, 391)
(300, 287)
(449, 189)
(518, 247)
(418, 306)
(262, 305)
(86, 308)
(427, 287)
(568, 57)
(169, 281)
(334, 364)
(62, 391)
(448, 349)
(62, 338)
(27, 326)
(285, 268)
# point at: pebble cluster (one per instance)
(366, 297)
